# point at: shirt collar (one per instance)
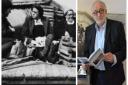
(102, 27)
(70, 22)
(38, 22)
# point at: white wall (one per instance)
(114, 6)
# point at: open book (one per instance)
(94, 59)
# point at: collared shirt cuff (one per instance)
(114, 60)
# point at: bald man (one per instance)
(109, 36)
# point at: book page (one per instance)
(96, 58)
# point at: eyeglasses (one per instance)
(101, 11)
(36, 12)
(70, 14)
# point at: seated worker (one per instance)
(37, 26)
(70, 24)
(69, 28)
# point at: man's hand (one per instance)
(108, 57)
(86, 66)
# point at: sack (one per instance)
(65, 47)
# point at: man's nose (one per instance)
(98, 14)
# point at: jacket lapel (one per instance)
(107, 34)
(107, 43)
(93, 35)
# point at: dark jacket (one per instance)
(71, 29)
(115, 42)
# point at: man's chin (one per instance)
(100, 22)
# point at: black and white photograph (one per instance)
(38, 42)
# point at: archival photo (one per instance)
(38, 42)
(102, 25)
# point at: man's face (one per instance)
(99, 13)
(35, 13)
(69, 16)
